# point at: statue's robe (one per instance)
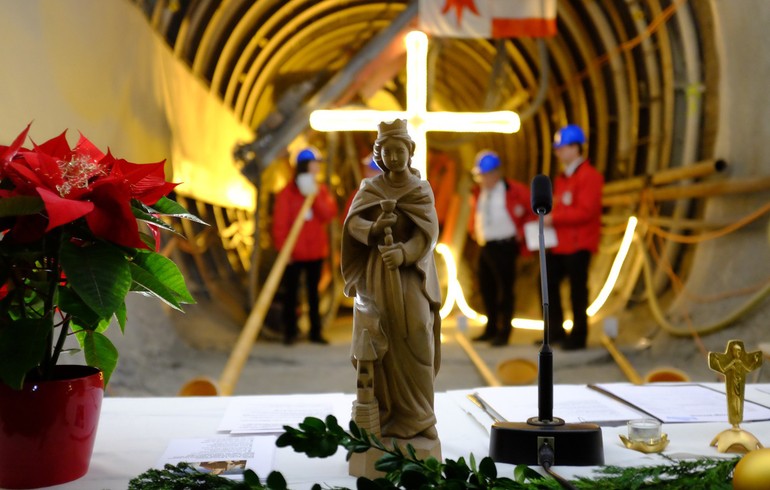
(404, 328)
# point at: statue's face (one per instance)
(395, 155)
(736, 350)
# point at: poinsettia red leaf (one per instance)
(29, 229)
(10, 151)
(147, 180)
(85, 147)
(112, 218)
(62, 211)
(107, 163)
(57, 147)
(45, 167)
(152, 194)
(24, 178)
(155, 232)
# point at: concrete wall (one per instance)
(726, 272)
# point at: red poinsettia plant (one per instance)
(71, 249)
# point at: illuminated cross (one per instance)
(419, 119)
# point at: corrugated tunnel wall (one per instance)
(658, 85)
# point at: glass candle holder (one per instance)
(644, 430)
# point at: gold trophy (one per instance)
(735, 363)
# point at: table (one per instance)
(134, 432)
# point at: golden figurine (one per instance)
(735, 363)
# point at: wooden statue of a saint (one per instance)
(388, 267)
(735, 363)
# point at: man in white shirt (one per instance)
(500, 209)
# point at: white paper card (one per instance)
(268, 414)
(224, 456)
(677, 402)
(532, 236)
(573, 403)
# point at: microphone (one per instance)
(542, 195)
(545, 439)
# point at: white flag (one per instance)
(489, 19)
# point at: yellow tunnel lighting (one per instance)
(527, 324)
(419, 119)
(455, 293)
(617, 264)
(454, 290)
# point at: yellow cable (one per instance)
(691, 239)
(703, 330)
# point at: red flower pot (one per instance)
(47, 429)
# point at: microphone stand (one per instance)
(545, 357)
(545, 439)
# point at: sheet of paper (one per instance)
(676, 402)
(573, 403)
(532, 236)
(763, 388)
(266, 415)
(224, 456)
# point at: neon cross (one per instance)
(419, 119)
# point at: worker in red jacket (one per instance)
(500, 207)
(312, 246)
(576, 218)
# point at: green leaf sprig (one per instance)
(402, 469)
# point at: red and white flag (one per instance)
(488, 18)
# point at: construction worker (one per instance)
(312, 246)
(576, 217)
(500, 207)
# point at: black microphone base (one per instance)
(573, 444)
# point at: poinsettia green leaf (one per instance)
(72, 304)
(145, 283)
(20, 206)
(166, 272)
(99, 327)
(98, 273)
(169, 207)
(121, 315)
(148, 240)
(100, 353)
(142, 215)
(22, 347)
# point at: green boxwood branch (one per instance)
(317, 438)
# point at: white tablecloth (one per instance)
(134, 432)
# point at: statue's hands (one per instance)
(385, 220)
(392, 255)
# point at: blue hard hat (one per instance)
(309, 154)
(571, 134)
(486, 161)
(372, 164)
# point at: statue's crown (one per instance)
(392, 128)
